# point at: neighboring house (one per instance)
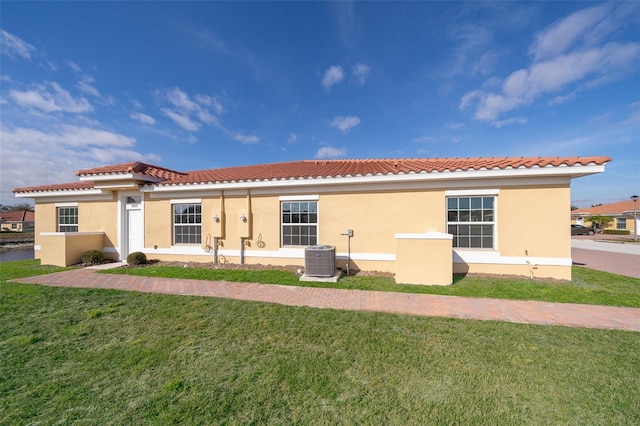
(17, 221)
(421, 219)
(621, 213)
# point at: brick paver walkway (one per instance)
(530, 312)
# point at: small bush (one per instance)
(616, 231)
(137, 258)
(93, 257)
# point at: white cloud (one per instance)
(361, 72)
(53, 155)
(210, 101)
(524, 86)
(88, 89)
(15, 47)
(334, 75)
(454, 126)
(569, 56)
(510, 121)
(190, 114)
(51, 98)
(181, 120)
(329, 152)
(75, 67)
(562, 35)
(245, 139)
(558, 100)
(181, 100)
(143, 118)
(293, 138)
(345, 124)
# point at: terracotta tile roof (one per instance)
(305, 169)
(608, 209)
(18, 216)
(132, 167)
(75, 186)
(340, 168)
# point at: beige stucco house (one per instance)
(17, 221)
(621, 212)
(422, 219)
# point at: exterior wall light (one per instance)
(216, 219)
(243, 218)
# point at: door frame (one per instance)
(123, 218)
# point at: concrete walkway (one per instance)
(529, 312)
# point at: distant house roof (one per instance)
(312, 169)
(612, 209)
(18, 216)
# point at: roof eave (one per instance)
(569, 172)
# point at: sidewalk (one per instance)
(528, 312)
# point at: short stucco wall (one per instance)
(424, 258)
(67, 248)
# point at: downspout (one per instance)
(247, 220)
(215, 250)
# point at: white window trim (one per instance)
(298, 199)
(494, 222)
(67, 204)
(173, 222)
(186, 201)
(470, 192)
(58, 224)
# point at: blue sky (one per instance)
(200, 85)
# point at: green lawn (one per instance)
(79, 356)
(588, 286)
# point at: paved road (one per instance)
(608, 256)
(519, 311)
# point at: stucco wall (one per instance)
(531, 224)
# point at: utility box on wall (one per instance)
(424, 258)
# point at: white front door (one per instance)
(135, 240)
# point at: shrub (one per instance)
(93, 257)
(137, 258)
(617, 231)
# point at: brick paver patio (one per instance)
(529, 312)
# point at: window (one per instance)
(621, 223)
(14, 226)
(471, 221)
(67, 219)
(187, 223)
(299, 223)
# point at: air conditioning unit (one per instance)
(320, 261)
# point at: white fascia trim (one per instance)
(178, 194)
(74, 204)
(299, 198)
(186, 201)
(426, 236)
(564, 171)
(81, 195)
(494, 258)
(48, 234)
(119, 176)
(470, 192)
(129, 186)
